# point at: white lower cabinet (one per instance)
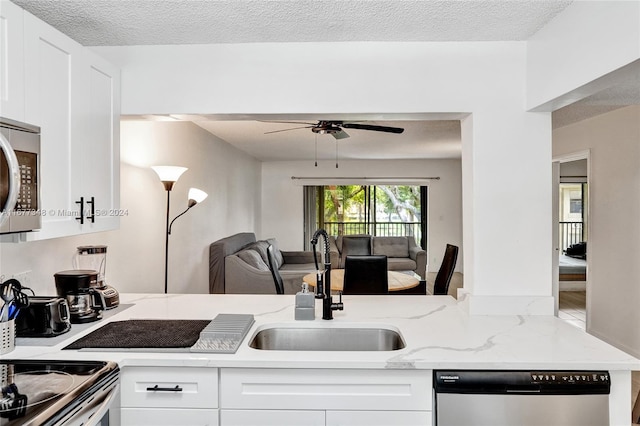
(322, 418)
(326, 397)
(169, 396)
(272, 417)
(168, 417)
(198, 396)
(378, 418)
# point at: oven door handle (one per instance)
(104, 407)
(95, 413)
(14, 178)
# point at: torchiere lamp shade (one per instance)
(169, 174)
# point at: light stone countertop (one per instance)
(438, 335)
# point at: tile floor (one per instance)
(573, 310)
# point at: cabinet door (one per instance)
(52, 101)
(74, 96)
(167, 417)
(11, 62)
(389, 390)
(97, 151)
(176, 387)
(272, 418)
(379, 418)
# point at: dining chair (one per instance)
(273, 266)
(365, 275)
(443, 278)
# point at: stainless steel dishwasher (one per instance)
(523, 398)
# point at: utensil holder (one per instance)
(7, 336)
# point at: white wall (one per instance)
(484, 79)
(585, 42)
(614, 235)
(283, 78)
(283, 214)
(135, 253)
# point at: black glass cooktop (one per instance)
(44, 392)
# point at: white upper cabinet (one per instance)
(11, 61)
(96, 147)
(52, 101)
(74, 96)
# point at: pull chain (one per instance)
(316, 157)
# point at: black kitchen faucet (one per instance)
(324, 286)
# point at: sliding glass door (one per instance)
(381, 210)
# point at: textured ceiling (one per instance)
(420, 139)
(147, 22)
(136, 22)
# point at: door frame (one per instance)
(555, 268)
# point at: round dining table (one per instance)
(397, 280)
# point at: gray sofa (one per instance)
(239, 265)
(403, 254)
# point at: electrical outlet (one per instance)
(24, 278)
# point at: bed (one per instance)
(572, 269)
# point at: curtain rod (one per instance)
(365, 177)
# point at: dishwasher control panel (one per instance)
(570, 377)
(522, 382)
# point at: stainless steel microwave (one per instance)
(19, 177)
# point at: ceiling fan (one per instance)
(335, 128)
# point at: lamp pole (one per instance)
(166, 244)
(168, 176)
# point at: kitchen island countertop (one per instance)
(437, 331)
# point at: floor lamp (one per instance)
(169, 175)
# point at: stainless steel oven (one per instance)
(19, 177)
(58, 393)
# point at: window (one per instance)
(383, 210)
(573, 202)
(575, 205)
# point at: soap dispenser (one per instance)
(305, 304)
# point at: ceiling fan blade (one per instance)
(340, 135)
(286, 130)
(372, 127)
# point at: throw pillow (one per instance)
(391, 246)
(356, 246)
(251, 257)
(261, 248)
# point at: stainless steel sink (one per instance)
(327, 339)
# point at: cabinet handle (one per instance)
(81, 218)
(93, 210)
(156, 388)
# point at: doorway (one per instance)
(571, 225)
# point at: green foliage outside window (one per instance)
(380, 210)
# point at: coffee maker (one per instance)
(95, 258)
(78, 287)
